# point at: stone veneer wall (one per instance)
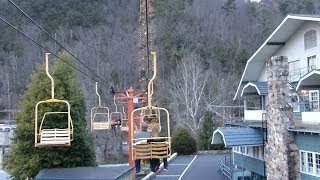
(282, 155)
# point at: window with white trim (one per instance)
(317, 164)
(314, 100)
(310, 163)
(248, 150)
(251, 151)
(255, 151)
(312, 62)
(294, 70)
(303, 165)
(295, 102)
(310, 39)
(243, 148)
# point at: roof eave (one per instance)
(305, 18)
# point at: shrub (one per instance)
(217, 147)
(182, 142)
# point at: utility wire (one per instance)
(29, 38)
(25, 14)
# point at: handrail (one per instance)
(225, 169)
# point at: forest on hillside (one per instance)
(202, 47)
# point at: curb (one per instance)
(151, 175)
(214, 152)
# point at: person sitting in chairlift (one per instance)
(115, 123)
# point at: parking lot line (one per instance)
(187, 167)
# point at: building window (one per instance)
(243, 149)
(295, 102)
(294, 70)
(303, 161)
(256, 151)
(312, 62)
(318, 164)
(310, 163)
(310, 39)
(251, 151)
(314, 100)
(294, 66)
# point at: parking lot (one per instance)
(193, 167)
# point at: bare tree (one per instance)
(187, 91)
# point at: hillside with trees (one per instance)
(202, 48)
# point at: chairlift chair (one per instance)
(124, 121)
(153, 149)
(100, 117)
(52, 136)
(116, 116)
(141, 149)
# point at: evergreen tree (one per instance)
(241, 56)
(229, 6)
(25, 160)
(206, 132)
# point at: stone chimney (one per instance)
(282, 155)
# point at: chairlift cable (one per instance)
(43, 30)
(41, 46)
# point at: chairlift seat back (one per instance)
(100, 118)
(53, 136)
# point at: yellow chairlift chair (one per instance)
(46, 135)
(146, 148)
(100, 119)
(116, 116)
(124, 121)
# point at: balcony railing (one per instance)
(226, 167)
(306, 106)
(296, 74)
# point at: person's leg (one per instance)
(153, 165)
(165, 163)
(158, 163)
(137, 165)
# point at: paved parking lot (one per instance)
(193, 167)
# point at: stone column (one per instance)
(282, 155)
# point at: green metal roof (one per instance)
(237, 136)
(82, 173)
